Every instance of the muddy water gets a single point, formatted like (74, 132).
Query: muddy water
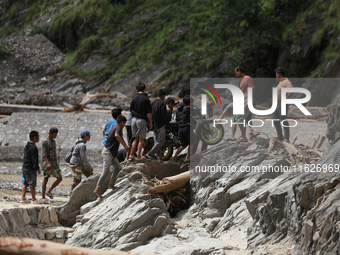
(10, 180)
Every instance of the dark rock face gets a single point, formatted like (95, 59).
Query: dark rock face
(333, 122)
(299, 60)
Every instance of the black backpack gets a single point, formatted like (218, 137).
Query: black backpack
(179, 112)
(69, 156)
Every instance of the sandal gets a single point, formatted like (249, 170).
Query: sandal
(149, 157)
(140, 159)
(231, 139)
(186, 160)
(49, 195)
(43, 201)
(25, 201)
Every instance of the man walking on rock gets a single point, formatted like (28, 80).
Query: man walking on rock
(283, 83)
(160, 124)
(49, 163)
(79, 163)
(111, 123)
(141, 112)
(110, 155)
(30, 168)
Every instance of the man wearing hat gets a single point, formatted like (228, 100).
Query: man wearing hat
(78, 163)
(49, 163)
(283, 83)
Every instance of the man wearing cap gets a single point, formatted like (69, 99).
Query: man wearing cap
(111, 123)
(141, 112)
(49, 163)
(79, 163)
(283, 83)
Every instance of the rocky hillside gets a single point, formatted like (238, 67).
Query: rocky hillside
(106, 46)
(227, 212)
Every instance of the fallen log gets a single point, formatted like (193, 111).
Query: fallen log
(37, 95)
(26, 246)
(76, 107)
(171, 183)
(87, 99)
(321, 142)
(290, 148)
(271, 145)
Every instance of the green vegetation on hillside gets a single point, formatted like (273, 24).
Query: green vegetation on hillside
(191, 37)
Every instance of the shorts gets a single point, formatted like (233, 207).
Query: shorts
(242, 119)
(53, 172)
(30, 178)
(184, 136)
(139, 128)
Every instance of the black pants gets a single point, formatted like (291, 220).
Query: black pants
(129, 135)
(277, 124)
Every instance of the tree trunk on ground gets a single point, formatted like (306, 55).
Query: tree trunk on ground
(26, 246)
(171, 183)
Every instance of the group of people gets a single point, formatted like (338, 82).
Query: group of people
(143, 116)
(49, 166)
(247, 82)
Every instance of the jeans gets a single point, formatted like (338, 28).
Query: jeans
(277, 124)
(108, 160)
(159, 139)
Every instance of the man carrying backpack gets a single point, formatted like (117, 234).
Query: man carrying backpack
(183, 119)
(78, 163)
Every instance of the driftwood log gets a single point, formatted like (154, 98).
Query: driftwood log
(171, 183)
(37, 96)
(26, 246)
(86, 100)
(77, 107)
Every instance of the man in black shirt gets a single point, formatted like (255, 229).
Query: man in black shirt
(184, 131)
(110, 155)
(141, 112)
(160, 123)
(30, 167)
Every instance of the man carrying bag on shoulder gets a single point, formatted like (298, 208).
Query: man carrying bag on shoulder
(78, 163)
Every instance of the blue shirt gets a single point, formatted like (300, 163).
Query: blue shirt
(110, 124)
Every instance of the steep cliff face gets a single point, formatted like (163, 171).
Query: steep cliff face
(111, 45)
(333, 122)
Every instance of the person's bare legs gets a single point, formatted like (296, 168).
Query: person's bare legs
(32, 189)
(24, 190)
(224, 113)
(55, 184)
(140, 147)
(243, 132)
(233, 131)
(134, 146)
(189, 152)
(98, 193)
(43, 187)
(174, 158)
